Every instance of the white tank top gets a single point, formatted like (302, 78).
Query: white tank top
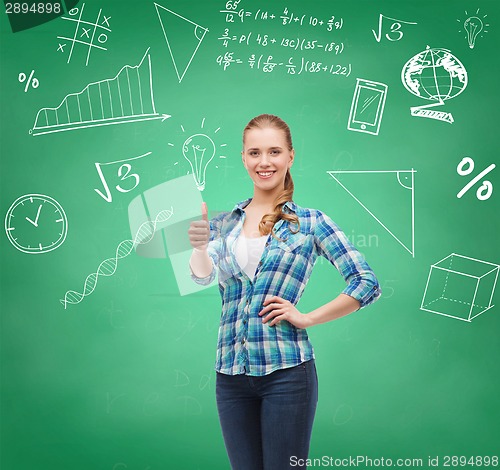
(248, 252)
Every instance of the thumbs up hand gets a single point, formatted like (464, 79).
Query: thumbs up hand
(204, 211)
(199, 230)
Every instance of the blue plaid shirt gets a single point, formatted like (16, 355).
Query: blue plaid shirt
(246, 345)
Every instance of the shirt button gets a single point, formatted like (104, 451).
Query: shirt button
(244, 322)
(243, 341)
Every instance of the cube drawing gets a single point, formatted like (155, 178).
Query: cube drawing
(460, 287)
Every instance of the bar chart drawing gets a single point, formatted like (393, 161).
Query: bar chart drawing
(127, 97)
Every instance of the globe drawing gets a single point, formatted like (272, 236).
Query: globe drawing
(434, 74)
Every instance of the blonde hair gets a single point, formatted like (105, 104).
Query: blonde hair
(266, 225)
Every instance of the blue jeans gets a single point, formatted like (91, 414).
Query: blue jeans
(266, 420)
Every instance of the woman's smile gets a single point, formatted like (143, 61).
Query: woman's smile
(267, 156)
(266, 174)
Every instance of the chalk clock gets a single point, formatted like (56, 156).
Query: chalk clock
(36, 223)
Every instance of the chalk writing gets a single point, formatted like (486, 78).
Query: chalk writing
(122, 174)
(294, 43)
(267, 64)
(298, 37)
(395, 33)
(287, 17)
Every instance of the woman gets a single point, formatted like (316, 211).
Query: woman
(265, 249)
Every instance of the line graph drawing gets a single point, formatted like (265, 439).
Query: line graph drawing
(127, 97)
(408, 184)
(87, 34)
(144, 235)
(180, 47)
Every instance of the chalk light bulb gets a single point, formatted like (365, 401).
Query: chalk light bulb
(473, 26)
(199, 150)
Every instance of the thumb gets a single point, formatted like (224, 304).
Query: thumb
(204, 211)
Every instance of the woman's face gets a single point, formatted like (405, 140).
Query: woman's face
(266, 157)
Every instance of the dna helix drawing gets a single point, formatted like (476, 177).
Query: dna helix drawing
(144, 235)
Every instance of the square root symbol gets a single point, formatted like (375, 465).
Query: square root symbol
(460, 287)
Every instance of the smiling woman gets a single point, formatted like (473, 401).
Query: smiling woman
(264, 251)
(268, 156)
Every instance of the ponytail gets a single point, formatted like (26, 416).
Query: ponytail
(267, 222)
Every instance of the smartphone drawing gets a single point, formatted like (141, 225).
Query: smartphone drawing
(367, 106)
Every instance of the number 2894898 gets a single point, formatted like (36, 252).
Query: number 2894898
(39, 8)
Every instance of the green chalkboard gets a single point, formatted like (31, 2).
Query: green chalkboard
(393, 108)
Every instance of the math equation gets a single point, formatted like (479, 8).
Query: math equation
(265, 40)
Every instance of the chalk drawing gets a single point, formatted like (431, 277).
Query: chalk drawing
(474, 27)
(36, 223)
(144, 235)
(435, 75)
(367, 106)
(466, 167)
(199, 150)
(33, 81)
(460, 287)
(343, 414)
(395, 33)
(86, 32)
(122, 99)
(108, 197)
(403, 179)
(183, 38)
(181, 378)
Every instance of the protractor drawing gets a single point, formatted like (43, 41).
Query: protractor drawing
(388, 196)
(127, 97)
(183, 38)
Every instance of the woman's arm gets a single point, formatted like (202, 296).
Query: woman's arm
(280, 309)
(205, 240)
(361, 290)
(338, 307)
(200, 263)
(332, 243)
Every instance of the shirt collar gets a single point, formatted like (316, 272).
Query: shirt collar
(290, 205)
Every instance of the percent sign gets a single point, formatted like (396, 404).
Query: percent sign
(484, 191)
(34, 82)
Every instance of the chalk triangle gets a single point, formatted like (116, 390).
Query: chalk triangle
(183, 38)
(388, 196)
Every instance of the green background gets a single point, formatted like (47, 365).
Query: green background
(125, 379)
